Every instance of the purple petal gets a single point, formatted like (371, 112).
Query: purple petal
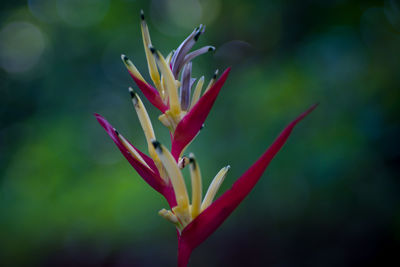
(186, 86)
(196, 53)
(184, 48)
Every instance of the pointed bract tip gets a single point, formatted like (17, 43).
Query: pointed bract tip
(141, 14)
(211, 48)
(309, 110)
(215, 74)
(315, 105)
(228, 167)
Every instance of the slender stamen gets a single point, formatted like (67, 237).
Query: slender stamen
(174, 174)
(197, 91)
(131, 68)
(196, 186)
(212, 81)
(151, 63)
(214, 186)
(131, 149)
(169, 81)
(185, 86)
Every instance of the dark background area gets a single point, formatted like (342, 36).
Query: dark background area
(329, 198)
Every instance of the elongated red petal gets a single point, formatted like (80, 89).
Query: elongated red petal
(152, 176)
(191, 124)
(150, 93)
(211, 218)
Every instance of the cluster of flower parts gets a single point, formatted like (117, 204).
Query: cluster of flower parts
(183, 114)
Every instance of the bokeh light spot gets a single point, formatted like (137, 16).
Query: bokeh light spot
(211, 10)
(82, 13)
(184, 13)
(43, 10)
(21, 46)
(170, 14)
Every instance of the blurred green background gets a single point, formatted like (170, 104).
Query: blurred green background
(329, 198)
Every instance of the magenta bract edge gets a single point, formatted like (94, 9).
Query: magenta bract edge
(151, 94)
(151, 177)
(192, 122)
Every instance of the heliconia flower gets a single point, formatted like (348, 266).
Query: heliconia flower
(184, 113)
(195, 217)
(198, 218)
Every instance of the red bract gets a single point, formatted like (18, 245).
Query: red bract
(211, 218)
(151, 176)
(192, 122)
(150, 93)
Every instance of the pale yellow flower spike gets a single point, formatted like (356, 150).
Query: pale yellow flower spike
(212, 81)
(170, 83)
(197, 92)
(214, 186)
(131, 150)
(147, 127)
(131, 68)
(196, 186)
(151, 63)
(178, 183)
(143, 118)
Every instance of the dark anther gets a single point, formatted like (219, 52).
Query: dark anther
(142, 14)
(157, 145)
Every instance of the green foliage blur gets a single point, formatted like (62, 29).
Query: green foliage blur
(329, 198)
